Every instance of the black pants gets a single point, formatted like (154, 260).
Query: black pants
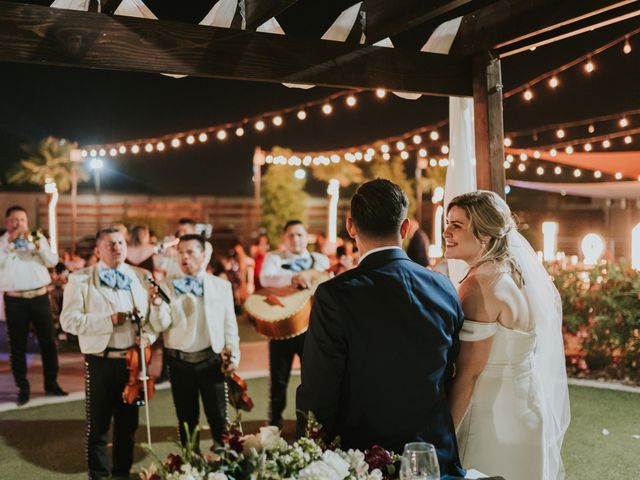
(20, 313)
(189, 382)
(281, 354)
(105, 380)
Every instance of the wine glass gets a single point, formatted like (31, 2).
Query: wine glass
(419, 462)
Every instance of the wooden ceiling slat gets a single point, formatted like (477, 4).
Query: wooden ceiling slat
(259, 11)
(386, 18)
(47, 36)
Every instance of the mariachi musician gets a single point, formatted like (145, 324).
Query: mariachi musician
(292, 266)
(200, 337)
(101, 305)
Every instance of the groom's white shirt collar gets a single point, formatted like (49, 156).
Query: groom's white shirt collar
(379, 249)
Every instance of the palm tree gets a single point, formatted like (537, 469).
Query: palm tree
(47, 160)
(50, 160)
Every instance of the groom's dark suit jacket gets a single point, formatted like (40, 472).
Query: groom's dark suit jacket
(379, 354)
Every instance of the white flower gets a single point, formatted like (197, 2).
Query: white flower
(270, 437)
(375, 475)
(355, 459)
(216, 476)
(336, 462)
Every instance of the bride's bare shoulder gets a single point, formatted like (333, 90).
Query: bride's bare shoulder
(484, 291)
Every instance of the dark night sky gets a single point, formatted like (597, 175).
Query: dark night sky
(91, 106)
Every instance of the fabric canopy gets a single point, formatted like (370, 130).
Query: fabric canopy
(593, 190)
(627, 163)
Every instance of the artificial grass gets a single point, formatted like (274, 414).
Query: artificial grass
(48, 442)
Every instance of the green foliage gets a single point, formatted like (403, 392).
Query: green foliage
(433, 178)
(48, 159)
(283, 197)
(602, 306)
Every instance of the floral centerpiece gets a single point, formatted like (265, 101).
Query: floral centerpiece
(267, 456)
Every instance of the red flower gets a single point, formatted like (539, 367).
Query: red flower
(377, 457)
(233, 439)
(173, 463)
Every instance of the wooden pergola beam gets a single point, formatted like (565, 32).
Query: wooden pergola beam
(507, 22)
(259, 11)
(48, 36)
(385, 18)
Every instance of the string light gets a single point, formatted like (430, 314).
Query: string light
(589, 66)
(522, 167)
(444, 149)
(351, 101)
(606, 144)
(381, 93)
(203, 137)
(259, 125)
(510, 158)
(433, 162)
(568, 150)
(624, 122)
(577, 173)
(627, 47)
(400, 145)
(434, 135)
(557, 170)
(536, 154)
(507, 165)
(102, 152)
(148, 148)
(384, 148)
(327, 109)
(175, 143)
(591, 129)
(160, 146)
(135, 149)
(618, 176)
(122, 149)
(386, 156)
(191, 139)
(523, 157)
(404, 154)
(528, 94)
(560, 133)
(84, 153)
(417, 139)
(113, 152)
(597, 174)
(422, 152)
(553, 152)
(554, 82)
(507, 142)
(628, 139)
(277, 120)
(239, 132)
(222, 134)
(588, 147)
(540, 171)
(301, 115)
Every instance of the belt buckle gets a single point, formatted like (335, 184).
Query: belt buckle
(32, 293)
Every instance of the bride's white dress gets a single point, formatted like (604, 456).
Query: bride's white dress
(501, 432)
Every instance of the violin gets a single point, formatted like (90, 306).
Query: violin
(133, 393)
(238, 395)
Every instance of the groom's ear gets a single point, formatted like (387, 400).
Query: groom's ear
(351, 229)
(404, 228)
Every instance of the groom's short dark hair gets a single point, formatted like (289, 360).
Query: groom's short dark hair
(378, 208)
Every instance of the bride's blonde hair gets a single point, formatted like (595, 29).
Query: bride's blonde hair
(490, 216)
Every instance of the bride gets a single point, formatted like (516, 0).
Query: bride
(509, 398)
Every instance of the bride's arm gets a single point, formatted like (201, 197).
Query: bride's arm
(471, 361)
(478, 305)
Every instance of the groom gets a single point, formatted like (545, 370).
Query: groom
(382, 340)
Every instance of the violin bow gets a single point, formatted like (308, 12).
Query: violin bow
(143, 376)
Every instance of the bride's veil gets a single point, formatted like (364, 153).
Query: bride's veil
(545, 308)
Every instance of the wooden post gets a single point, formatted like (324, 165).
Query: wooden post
(489, 134)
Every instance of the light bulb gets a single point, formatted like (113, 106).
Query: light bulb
(203, 137)
(560, 133)
(302, 115)
(568, 150)
(623, 122)
(606, 144)
(627, 47)
(597, 174)
(327, 109)
(557, 170)
(417, 139)
(259, 125)
(553, 152)
(618, 176)
(553, 82)
(222, 134)
(589, 66)
(381, 93)
(434, 135)
(588, 147)
(160, 146)
(577, 172)
(507, 142)
(277, 120)
(175, 143)
(522, 167)
(351, 101)
(540, 171)
(148, 148)
(528, 94)
(628, 139)
(135, 149)
(239, 131)
(400, 145)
